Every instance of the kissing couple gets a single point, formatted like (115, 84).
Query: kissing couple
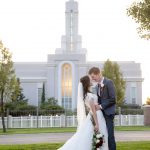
(97, 94)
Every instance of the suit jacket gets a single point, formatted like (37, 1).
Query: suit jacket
(107, 98)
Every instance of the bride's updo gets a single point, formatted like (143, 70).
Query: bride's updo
(85, 80)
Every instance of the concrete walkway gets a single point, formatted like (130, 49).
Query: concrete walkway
(62, 137)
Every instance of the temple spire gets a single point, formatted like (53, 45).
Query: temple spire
(71, 41)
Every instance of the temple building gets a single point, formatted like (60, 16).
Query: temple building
(62, 71)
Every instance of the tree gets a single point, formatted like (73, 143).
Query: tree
(17, 94)
(53, 101)
(43, 94)
(112, 71)
(140, 12)
(17, 101)
(148, 101)
(52, 105)
(7, 78)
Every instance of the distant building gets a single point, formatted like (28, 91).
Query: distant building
(63, 69)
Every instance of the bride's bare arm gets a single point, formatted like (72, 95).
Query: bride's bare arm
(92, 105)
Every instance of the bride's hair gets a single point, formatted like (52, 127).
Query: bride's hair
(85, 80)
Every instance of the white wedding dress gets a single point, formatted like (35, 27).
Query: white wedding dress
(82, 139)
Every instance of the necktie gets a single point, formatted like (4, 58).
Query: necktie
(99, 89)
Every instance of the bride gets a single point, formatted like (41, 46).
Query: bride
(82, 139)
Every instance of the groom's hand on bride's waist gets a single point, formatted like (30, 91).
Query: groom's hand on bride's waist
(98, 107)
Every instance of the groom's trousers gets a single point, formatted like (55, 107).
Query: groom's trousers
(110, 127)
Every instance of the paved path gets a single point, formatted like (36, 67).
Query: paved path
(62, 137)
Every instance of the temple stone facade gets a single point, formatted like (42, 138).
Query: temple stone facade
(62, 71)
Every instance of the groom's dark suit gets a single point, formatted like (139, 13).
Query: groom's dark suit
(107, 100)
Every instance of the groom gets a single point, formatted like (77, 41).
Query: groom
(106, 99)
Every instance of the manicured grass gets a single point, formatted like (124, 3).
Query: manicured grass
(53, 146)
(120, 146)
(63, 130)
(38, 130)
(133, 128)
(133, 145)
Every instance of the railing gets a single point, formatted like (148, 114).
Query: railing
(64, 121)
(129, 120)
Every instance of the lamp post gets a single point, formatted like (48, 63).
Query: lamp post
(37, 114)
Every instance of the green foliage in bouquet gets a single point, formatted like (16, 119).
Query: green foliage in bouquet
(98, 140)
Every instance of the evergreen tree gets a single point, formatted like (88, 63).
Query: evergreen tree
(112, 71)
(43, 94)
(17, 94)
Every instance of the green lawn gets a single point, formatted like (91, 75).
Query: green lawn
(54, 146)
(133, 128)
(60, 130)
(133, 145)
(120, 146)
(38, 130)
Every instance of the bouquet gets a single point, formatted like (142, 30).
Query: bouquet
(98, 138)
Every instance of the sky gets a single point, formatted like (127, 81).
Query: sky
(31, 29)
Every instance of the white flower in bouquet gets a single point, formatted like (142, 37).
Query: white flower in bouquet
(97, 141)
(99, 135)
(98, 149)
